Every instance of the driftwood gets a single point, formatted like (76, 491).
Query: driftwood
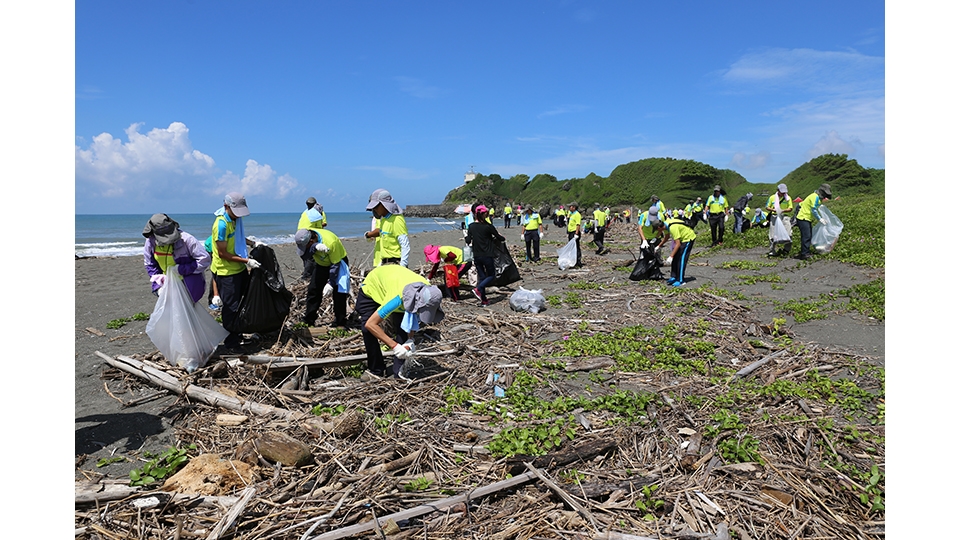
(753, 367)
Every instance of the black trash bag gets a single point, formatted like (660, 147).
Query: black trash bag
(266, 303)
(648, 265)
(506, 269)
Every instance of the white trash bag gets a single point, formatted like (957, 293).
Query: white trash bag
(826, 231)
(567, 255)
(531, 301)
(780, 232)
(182, 330)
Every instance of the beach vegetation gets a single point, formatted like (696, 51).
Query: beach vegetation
(141, 316)
(649, 506)
(331, 410)
(117, 323)
(161, 465)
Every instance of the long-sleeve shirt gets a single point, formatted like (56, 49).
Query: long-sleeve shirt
(188, 257)
(481, 237)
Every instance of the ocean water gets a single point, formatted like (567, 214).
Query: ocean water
(121, 234)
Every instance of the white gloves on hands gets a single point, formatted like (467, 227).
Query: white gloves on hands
(541, 236)
(644, 244)
(402, 352)
(252, 263)
(159, 279)
(668, 261)
(217, 301)
(321, 247)
(327, 290)
(410, 345)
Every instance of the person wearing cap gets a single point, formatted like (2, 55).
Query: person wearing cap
(574, 229)
(331, 273)
(646, 227)
(655, 201)
(739, 208)
(311, 218)
(809, 211)
(759, 218)
(682, 247)
(390, 231)
(168, 251)
(394, 292)
(532, 233)
(600, 227)
(231, 261)
(626, 214)
(696, 209)
(482, 238)
(507, 216)
(718, 210)
(454, 268)
(779, 206)
(560, 217)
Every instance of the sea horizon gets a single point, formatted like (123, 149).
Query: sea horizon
(104, 235)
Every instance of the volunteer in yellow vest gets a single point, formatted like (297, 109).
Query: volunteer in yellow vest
(169, 251)
(311, 218)
(231, 261)
(809, 211)
(779, 207)
(392, 291)
(626, 214)
(331, 273)
(649, 235)
(718, 209)
(393, 246)
(573, 230)
(507, 216)
(682, 247)
(697, 208)
(532, 233)
(600, 227)
(560, 217)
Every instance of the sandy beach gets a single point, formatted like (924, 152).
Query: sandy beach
(118, 287)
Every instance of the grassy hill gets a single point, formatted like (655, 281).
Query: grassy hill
(675, 181)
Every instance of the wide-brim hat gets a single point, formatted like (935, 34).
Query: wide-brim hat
(423, 300)
(432, 253)
(382, 196)
(824, 190)
(164, 229)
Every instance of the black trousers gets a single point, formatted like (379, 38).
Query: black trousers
(570, 236)
(365, 308)
(716, 227)
(532, 240)
(806, 236)
(319, 278)
(598, 239)
(231, 289)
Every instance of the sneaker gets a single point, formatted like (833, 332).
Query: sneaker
(671, 280)
(484, 303)
(213, 307)
(677, 283)
(772, 254)
(476, 292)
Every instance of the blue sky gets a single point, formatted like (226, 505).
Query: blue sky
(179, 102)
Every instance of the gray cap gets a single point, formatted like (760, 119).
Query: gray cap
(237, 203)
(782, 188)
(824, 190)
(716, 187)
(164, 229)
(302, 239)
(383, 196)
(424, 300)
(654, 210)
(311, 200)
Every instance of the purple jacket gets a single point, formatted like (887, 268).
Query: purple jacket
(192, 260)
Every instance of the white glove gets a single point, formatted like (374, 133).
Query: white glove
(321, 247)
(327, 290)
(159, 279)
(541, 235)
(668, 261)
(252, 263)
(644, 244)
(410, 345)
(402, 352)
(217, 301)
(726, 217)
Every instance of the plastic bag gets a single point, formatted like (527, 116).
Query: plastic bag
(182, 330)
(530, 301)
(826, 231)
(507, 271)
(467, 254)
(266, 303)
(648, 265)
(567, 255)
(779, 232)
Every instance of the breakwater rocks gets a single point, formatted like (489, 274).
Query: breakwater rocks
(430, 210)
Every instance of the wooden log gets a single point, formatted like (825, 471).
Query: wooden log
(165, 380)
(692, 452)
(422, 509)
(581, 452)
(567, 498)
(278, 447)
(754, 366)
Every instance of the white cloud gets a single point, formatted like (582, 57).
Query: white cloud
(805, 70)
(162, 163)
(417, 88)
(831, 143)
(745, 161)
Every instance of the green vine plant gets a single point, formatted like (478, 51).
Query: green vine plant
(161, 465)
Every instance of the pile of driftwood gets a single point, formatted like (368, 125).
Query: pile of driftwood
(291, 445)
